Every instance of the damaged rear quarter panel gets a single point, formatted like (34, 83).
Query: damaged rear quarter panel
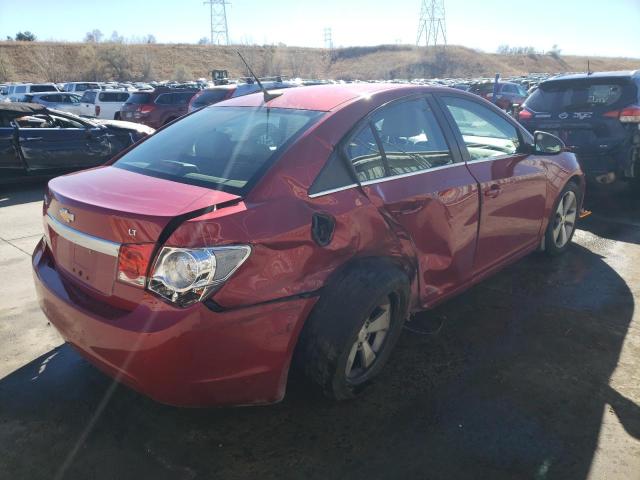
(285, 260)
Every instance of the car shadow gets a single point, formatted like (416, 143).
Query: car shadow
(509, 380)
(615, 208)
(19, 193)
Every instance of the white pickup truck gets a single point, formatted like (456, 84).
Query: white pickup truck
(103, 103)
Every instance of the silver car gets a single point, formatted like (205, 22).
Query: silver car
(67, 102)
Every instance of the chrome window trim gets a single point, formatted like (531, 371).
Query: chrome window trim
(83, 239)
(385, 179)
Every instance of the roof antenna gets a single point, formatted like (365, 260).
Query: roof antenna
(267, 96)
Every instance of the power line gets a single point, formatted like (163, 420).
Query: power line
(432, 28)
(219, 27)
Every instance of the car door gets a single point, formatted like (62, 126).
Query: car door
(10, 163)
(87, 104)
(405, 163)
(63, 144)
(70, 103)
(512, 183)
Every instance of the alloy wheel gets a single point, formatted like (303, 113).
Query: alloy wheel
(565, 219)
(369, 342)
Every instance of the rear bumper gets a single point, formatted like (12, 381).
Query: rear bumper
(182, 357)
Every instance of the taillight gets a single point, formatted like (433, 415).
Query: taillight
(188, 275)
(146, 108)
(525, 114)
(97, 109)
(133, 263)
(630, 114)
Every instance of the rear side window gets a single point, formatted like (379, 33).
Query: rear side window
(166, 99)
(88, 97)
(42, 88)
(20, 89)
(208, 97)
(587, 94)
(363, 152)
(52, 98)
(224, 148)
(139, 98)
(182, 98)
(110, 97)
(485, 133)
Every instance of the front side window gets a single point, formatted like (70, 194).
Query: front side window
(224, 148)
(485, 133)
(88, 97)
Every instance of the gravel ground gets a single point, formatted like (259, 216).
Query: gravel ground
(533, 374)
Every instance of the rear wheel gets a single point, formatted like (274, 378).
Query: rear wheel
(116, 116)
(353, 328)
(562, 224)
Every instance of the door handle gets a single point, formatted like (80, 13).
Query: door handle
(493, 191)
(33, 138)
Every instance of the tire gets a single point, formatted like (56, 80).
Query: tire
(362, 298)
(116, 116)
(562, 226)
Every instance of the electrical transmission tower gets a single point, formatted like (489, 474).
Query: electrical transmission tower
(432, 29)
(219, 30)
(328, 41)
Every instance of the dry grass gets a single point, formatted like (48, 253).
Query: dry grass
(41, 61)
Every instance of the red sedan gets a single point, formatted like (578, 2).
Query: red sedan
(201, 263)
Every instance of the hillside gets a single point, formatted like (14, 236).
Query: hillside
(42, 61)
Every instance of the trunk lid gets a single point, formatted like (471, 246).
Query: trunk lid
(88, 215)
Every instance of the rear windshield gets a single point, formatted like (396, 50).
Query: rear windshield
(224, 148)
(208, 97)
(575, 95)
(43, 88)
(138, 98)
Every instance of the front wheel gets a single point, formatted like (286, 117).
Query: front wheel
(562, 224)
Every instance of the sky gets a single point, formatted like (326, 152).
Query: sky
(580, 27)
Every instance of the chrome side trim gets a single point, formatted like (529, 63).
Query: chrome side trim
(333, 190)
(84, 240)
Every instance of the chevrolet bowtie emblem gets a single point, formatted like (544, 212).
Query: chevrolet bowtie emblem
(66, 215)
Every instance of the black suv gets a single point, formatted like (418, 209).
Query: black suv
(597, 116)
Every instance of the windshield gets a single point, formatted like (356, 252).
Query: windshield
(224, 148)
(581, 94)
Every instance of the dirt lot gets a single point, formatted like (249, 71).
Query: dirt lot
(534, 374)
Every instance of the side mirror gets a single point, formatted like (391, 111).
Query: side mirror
(547, 144)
